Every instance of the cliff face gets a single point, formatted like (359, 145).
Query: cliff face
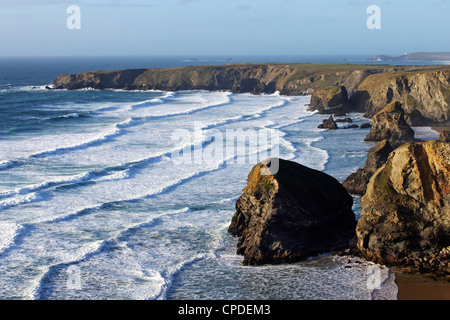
(289, 79)
(425, 95)
(328, 100)
(423, 91)
(405, 219)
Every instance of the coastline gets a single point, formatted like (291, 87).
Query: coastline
(420, 287)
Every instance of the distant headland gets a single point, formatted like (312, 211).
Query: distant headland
(416, 56)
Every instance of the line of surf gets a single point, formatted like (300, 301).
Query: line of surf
(88, 176)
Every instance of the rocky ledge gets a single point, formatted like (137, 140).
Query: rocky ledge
(405, 218)
(291, 215)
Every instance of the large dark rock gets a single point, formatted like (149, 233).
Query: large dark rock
(357, 182)
(390, 124)
(405, 219)
(328, 124)
(291, 215)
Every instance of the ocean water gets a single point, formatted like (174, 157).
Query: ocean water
(93, 204)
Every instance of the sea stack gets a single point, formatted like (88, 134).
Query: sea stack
(291, 215)
(405, 219)
(390, 124)
(328, 124)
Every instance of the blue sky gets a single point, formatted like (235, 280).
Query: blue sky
(222, 27)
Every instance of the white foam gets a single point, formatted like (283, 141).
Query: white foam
(125, 229)
(31, 88)
(48, 183)
(33, 292)
(8, 232)
(13, 202)
(6, 164)
(425, 133)
(71, 115)
(312, 156)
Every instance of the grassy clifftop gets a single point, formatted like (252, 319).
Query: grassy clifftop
(424, 91)
(258, 78)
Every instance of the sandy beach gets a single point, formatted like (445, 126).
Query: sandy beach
(439, 129)
(417, 287)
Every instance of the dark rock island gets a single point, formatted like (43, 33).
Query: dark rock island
(291, 215)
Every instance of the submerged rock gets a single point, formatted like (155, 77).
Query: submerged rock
(291, 215)
(357, 182)
(405, 219)
(328, 124)
(390, 124)
(349, 120)
(352, 126)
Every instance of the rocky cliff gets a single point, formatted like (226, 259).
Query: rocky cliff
(405, 219)
(289, 79)
(330, 100)
(424, 94)
(424, 91)
(291, 215)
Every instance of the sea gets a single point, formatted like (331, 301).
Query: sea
(95, 205)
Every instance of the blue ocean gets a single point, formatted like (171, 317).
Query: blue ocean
(93, 206)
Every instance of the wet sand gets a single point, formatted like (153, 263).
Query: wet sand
(416, 287)
(439, 129)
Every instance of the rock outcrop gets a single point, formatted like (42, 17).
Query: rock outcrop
(389, 124)
(291, 215)
(330, 100)
(405, 219)
(444, 136)
(424, 94)
(357, 182)
(348, 120)
(328, 124)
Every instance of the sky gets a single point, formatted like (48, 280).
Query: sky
(222, 27)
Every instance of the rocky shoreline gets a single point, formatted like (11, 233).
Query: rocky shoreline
(423, 91)
(299, 212)
(405, 219)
